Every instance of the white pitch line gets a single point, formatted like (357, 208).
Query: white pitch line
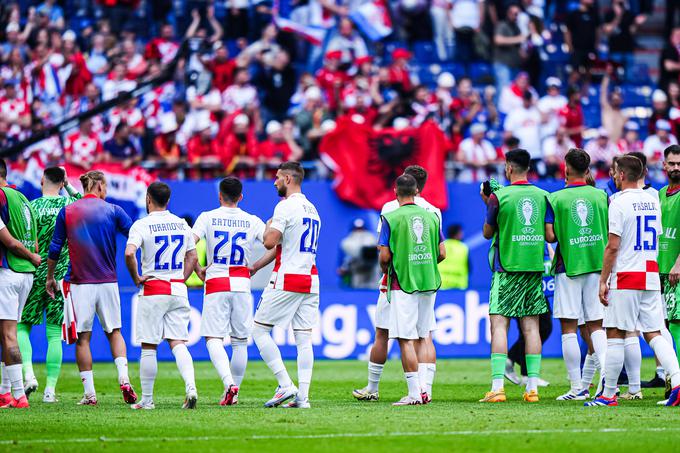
(105, 439)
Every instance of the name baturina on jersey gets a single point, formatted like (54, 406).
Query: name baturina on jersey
(231, 223)
(644, 206)
(172, 226)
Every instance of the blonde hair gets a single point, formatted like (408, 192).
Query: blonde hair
(90, 179)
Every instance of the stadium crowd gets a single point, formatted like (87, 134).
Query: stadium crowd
(252, 91)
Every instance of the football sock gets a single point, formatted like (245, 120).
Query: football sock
(374, 372)
(220, 360)
(148, 368)
(122, 367)
(88, 382)
(24, 341)
(305, 362)
(271, 355)
(633, 361)
(533, 371)
(497, 370)
(588, 371)
(422, 375)
(674, 328)
(615, 358)
(413, 384)
(16, 379)
(185, 365)
(54, 355)
(599, 341)
(239, 359)
(664, 352)
(5, 384)
(431, 371)
(572, 360)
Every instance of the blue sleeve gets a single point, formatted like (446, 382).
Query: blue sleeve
(492, 211)
(59, 236)
(123, 221)
(384, 239)
(549, 213)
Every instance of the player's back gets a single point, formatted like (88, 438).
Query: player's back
(47, 209)
(393, 205)
(635, 217)
(295, 269)
(230, 235)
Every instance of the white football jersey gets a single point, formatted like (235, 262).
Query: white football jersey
(230, 234)
(164, 240)
(295, 269)
(635, 216)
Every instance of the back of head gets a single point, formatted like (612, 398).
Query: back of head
(407, 186)
(453, 231)
(55, 175)
(640, 156)
(518, 158)
(578, 161)
(631, 167)
(3, 169)
(90, 179)
(673, 149)
(231, 189)
(294, 169)
(159, 192)
(419, 174)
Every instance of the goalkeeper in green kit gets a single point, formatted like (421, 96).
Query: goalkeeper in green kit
(46, 207)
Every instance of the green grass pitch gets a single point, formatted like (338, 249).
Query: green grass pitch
(336, 422)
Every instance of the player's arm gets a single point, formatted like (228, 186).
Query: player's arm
(550, 224)
(490, 224)
(132, 265)
(442, 247)
(17, 248)
(123, 221)
(54, 252)
(610, 253)
(190, 264)
(264, 261)
(385, 259)
(272, 236)
(385, 255)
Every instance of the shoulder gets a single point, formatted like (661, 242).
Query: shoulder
(389, 207)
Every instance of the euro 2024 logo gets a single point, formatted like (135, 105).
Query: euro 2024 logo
(582, 215)
(419, 234)
(527, 214)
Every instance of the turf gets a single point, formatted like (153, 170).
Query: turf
(455, 421)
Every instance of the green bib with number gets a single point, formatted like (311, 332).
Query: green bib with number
(669, 245)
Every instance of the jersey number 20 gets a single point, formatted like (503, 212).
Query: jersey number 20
(165, 242)
(310, 237)
(644, 226)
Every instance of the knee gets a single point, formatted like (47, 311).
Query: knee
(239, 342)
(260, 331)
(303, 339)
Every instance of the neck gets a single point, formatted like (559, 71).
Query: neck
(228, 205)
(629, 185)
(406, 200)
(292, 190)
(3, 182)
(672, 185)
(519, 177)
(576, 180)
(50, 191)
(93, 194)
(154, 208)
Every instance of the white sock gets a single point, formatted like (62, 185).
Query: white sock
(429, 380)
(5, 384)
(599, 340)
(16, 379)
(532, 384)
(496, 385)
(374, 373)
(572, 359)
(88, 382)
(669, 339)
(615, 357)
(413, 383)
(148, 369)
(422, 375)
(49, 390)
(239, 359)
(122, 367)
(660, 372)
(588, 372)
(633, 361)
(305, 362)
(185, 365)
(666, 355)
(220, 360)
(271, 355)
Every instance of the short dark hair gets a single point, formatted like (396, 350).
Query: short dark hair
(640, 156)
(511, 142)
(631, 166)
(453, 230)
(159, 193)
(55, 175)
(419, 174)
(231, 188)
(3, 169)
(407, 186)
(294, 169)
(673, 149)
(519, 158)
(578, 160)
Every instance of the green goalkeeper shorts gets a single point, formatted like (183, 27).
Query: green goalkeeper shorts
(40, 302)
(517, 294)
(670, 296)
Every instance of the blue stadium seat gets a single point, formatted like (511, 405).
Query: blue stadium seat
(425, 52)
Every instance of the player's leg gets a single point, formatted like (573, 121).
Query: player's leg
(11, 356)
(214, 328)
(54, 316)
(241, 328)
(175, 324)
(572, 357)
(425, 350)
(516, 357)
(532, 338)
(148, 369)
(632, 361)
(499, 348)
(24, 341)
(84, 361)
(185, 365)
(303, 322)
(378, 353)
(32, 315)
(590, 363)
(404, 317)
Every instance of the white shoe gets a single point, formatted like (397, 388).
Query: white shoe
(30, 386)
(190, 400)
(632, 396)
(365, 395)
(571, 396)
(543, 383)
(88, 400)
(298, 404)
(49, 397)
(408, 401)
(282, 395)
(661, 403)
(510, 373)
(143, 405)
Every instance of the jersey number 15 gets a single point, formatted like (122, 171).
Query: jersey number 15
(645, 227)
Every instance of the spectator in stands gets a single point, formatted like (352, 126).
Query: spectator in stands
(239, 152)
(512, 95)
(202, 149)
(264, 48)
(5, 139)
(359, 266)
(117, 82)
(399, 74)
(15, 111)
(670, 60)
(279, 146)
(79, 76)
(631, 138)
(582, 37)
(467, 18)
(350, 43)
(120, 149)
(440, 12)
(83, 147)
(309, 120)
(167, 152)
(221, 67)
(477, 154)
(508, 39)
(620, 26)
(164, 48)
(524, 122)
(660, 110)
(571, 116)
(331, 78)
(135, 63)
(237, 19)
(98, 61)
(241, 94)
(657, 142)
(555, 148)
(414, 19)
(673, 91)
(612, 116)
(550, 106)
(53, 12)
(276, 85)
(601, 151)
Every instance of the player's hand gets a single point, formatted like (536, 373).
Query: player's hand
(674, 274)
(485, 199)
(201, 273)
(35, 259)
(141, 280)
(604, 293)
(52, 287)
(253, 271)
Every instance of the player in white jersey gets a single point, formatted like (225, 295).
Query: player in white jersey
(424, 347)
(230, 234)
(168, 258)
(292, 297)
(629, 283)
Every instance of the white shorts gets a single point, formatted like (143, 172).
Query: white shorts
(100, 298)
(284, 308)
(411, 315)
(382, 312)
(578, 297)
(162, 318)
(632, 310)
(227, 314)
(14, 289)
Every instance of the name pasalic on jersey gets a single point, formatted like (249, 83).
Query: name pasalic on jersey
(231, 223)
(171, 226)
(644, 206)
